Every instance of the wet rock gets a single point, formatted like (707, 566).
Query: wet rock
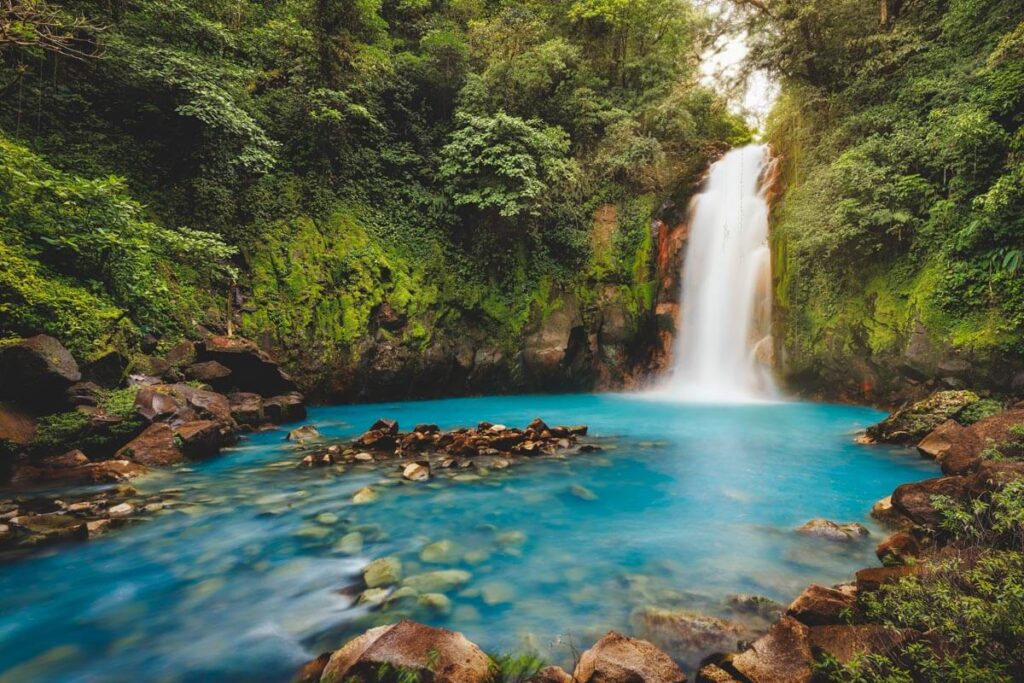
(781, 655)
(417, 471)
(252, 370)
(441, 581)
(303, 434)
(438, 603)
(432, 654)
(207, 405)
(898, 548)
(154, 447)
(87, 473)
(313, 670)
(819, 605)
(44, 529)
(290, 407)
(497, 593)
(884, 512)
(37, 373)
(121, 510)
(823, 528)
(247, 408)
(441, 552)
(915, 500)
(200, 439)
(389, 427)
(385, 571)
(685, 635)
(756, 604)
(375, 597)
(910, 425)
(617, 658)
(350, 544)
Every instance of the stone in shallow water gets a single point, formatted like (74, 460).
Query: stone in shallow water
(477, 557)
(436, 602)
(823, 528)
(511, 538)
(582, 492)
(327, 518)
(497, 593)
(373, 596)
(365, 495)
(441, 552)
(687, 636)
(439, 581)
(350, 544)
(417, 471)
(383, 572)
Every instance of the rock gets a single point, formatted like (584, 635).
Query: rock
(823, 528)
(847, 643)
(783, 655)
(497, 593)
(210, 372)
(687, 636)
(37, 373)
(389, 427)
(313, 670)
(102, 472)
(200, 439)
(582, 492)
(247, 408)
(208, 405)
(959, 449)
(84, 394)
(884, 512)
(365, 495)
(441, 552)
(417, 471)
(385, 571)
(898, 548)
(252, 370)
(551, 674)
(182, 355)
(286, 408)
(436, 602)
(107, 370)
(350, 544)
(537, 425)
(427, 429)
(437, 582)
(98, 527)
(44, 529)
(377, 440)
(873, 577)
(756, 604)
(121, 510)
(619, 659)
(819, 605)
(712, 673)
(16, 426)
(303, 434)
(915, 500)
(154, 447)
(375, 597)
(155, 403)
(432, 654)
(910, 425)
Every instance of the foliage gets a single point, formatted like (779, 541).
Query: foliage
(901, 143)
(61, 432)
(516, 668)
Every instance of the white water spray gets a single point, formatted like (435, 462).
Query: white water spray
(723, 344)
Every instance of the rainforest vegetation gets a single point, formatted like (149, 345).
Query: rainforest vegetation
(320, 158)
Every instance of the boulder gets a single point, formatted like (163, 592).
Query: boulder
(993, 475)
(207, 405)
(783, 655)
(687, 636)
(85, 474)
(389, 427)
(758, 605)
(898, 548)
(209, 372)
(823, 528)
(182, 355)
(551, 674)
(252, 370)
(713, 673)
(155, 403)
(914, 500)
(846, 642)
(884, 512)
(819, 605)
(437, 582)
(16, 426)
(154, 447)
(47, 528)
(431, 654)
(247, 408)
(108, 370)
(874, 577)
(620, 659)
(201, 438)
(37, 373)
(909, 425)
(290, 407)
(385, 571)
(84, 394)
(956, 448)
(304, 433)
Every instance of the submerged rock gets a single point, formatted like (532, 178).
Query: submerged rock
(385, 571)
(365, 495)
(441, 581)
(304, 433)
(417, 471)
(688, 636)
(823, 528)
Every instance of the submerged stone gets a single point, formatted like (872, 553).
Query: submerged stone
(383, 572)
(441, 552)
(438, 581)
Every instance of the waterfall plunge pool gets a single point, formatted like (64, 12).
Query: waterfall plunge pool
(244, 580)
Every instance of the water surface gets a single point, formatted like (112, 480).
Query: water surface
(243, 580)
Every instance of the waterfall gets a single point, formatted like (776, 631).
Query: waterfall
(723, 346)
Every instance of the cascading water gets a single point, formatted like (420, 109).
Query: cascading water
(723, 345)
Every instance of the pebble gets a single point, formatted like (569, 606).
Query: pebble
(364, 457)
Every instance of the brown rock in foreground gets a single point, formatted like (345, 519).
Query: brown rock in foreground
(819, 605)
(437, 655)
(155, 447)
(783, 655)
(619, 659)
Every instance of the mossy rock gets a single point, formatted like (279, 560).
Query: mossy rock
(909, 425)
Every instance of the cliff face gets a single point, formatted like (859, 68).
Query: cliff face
(354, 321)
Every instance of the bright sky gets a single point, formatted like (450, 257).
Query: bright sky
(724, 66)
